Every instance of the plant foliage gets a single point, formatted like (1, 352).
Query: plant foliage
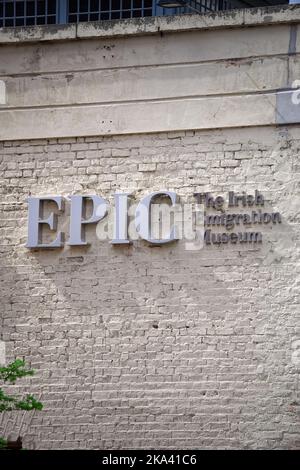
(10, 374)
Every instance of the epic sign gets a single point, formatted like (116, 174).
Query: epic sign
(99, 211)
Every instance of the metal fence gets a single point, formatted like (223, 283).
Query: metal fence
(95, 10)
(26, 13)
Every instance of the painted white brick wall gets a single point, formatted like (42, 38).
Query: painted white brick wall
(139, 347)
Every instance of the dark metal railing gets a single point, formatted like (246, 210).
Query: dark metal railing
(26, 13)
(108, 10)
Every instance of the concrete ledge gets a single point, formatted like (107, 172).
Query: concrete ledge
(153, 25)
(37, 34)
(135, 118)
(132, 84)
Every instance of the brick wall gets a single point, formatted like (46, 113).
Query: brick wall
(144, 347)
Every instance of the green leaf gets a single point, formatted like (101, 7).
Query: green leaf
(3, 443)
(10, 374)
(14, 371)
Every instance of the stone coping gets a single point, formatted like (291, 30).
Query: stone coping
(153, 25)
